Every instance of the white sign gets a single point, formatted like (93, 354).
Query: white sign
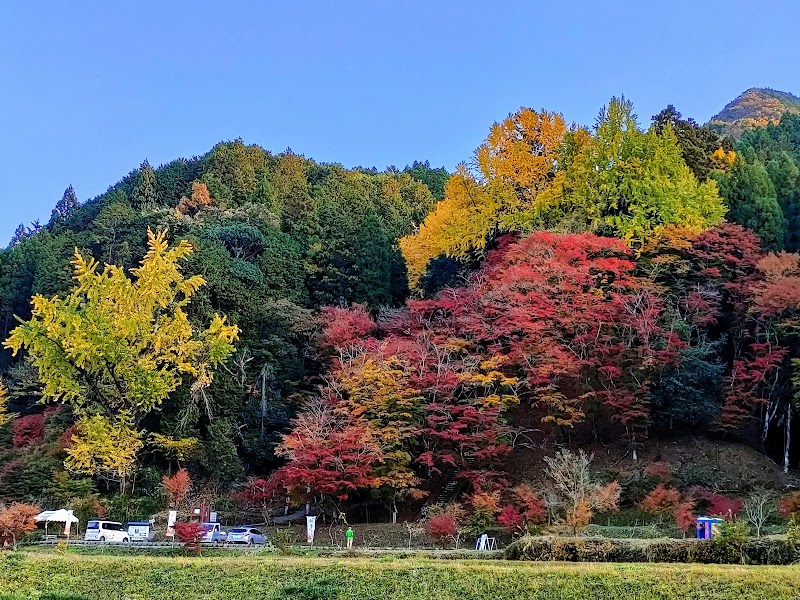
(173, 516)
(139, 533)
(213, 517)
(311, 525)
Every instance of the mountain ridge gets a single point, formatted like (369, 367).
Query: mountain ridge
(755, 107)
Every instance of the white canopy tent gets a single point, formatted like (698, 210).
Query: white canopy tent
(57, 516)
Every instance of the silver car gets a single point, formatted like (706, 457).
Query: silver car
(246, 535)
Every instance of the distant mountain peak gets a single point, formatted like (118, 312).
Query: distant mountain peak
(755, 107)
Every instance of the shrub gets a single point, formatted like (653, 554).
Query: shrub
(510, 518)
(729, 542)
(715, 504)
(659, 471)
(789, 506)
(725, 550)
(723, 506)
(441, 529)
(28, 430)
(793, 533)
(453, 510)
(190, 534)
(283, 540)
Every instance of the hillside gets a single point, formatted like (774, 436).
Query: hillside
(755, 107)
(409, 337)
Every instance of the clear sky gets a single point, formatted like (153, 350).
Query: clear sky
(89, 89)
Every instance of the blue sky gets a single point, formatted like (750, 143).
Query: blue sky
(90, 89)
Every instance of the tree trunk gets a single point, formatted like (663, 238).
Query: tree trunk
(263, 404)
(788, 440)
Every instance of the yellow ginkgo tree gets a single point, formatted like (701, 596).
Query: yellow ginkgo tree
(514, 165)
(116, 346)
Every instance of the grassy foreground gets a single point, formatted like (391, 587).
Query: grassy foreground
(78, 577)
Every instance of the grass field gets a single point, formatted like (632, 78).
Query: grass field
(78, 577)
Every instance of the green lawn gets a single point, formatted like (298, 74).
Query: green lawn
(78, 577)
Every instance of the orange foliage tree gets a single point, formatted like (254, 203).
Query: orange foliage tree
(684, 516)
(15, 521)
(199, 200)
(177, 487)
(661, 500)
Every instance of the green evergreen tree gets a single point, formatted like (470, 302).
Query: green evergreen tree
(264, 194)
(20, 235)
(144, 194)
(697, 144)
(752, 201)
(434, 179)
(65, 206)
(784, 173)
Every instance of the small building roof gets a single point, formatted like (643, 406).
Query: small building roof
(60, 516)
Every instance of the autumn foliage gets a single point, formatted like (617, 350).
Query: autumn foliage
(200, 199)
(28, 430)
(789, 506)
(16, 520)
(660, 471)
(190, 534)
(716, 504)
(177, 487)
(572, 284)
(661, 500)
(441, 528)
(510, 518)
(555, 322)
(329, 453)
(685, 517)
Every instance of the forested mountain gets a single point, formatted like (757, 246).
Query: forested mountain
(284, 328)
(755, 107)
(274, 237)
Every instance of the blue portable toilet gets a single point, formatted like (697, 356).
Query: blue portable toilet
(707, 527)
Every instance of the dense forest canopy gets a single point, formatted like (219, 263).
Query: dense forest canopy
(282, 328)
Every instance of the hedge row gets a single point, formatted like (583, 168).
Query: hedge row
(755, 551)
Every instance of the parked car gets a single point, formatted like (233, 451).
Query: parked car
(246, 535)
(106, 531)
(214, 534)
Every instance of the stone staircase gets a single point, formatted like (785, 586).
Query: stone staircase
(452, 484)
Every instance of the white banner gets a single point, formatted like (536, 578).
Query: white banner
(311, 525)
(68, 524)
(173, 516)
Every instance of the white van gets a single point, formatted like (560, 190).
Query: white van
(106, 531)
